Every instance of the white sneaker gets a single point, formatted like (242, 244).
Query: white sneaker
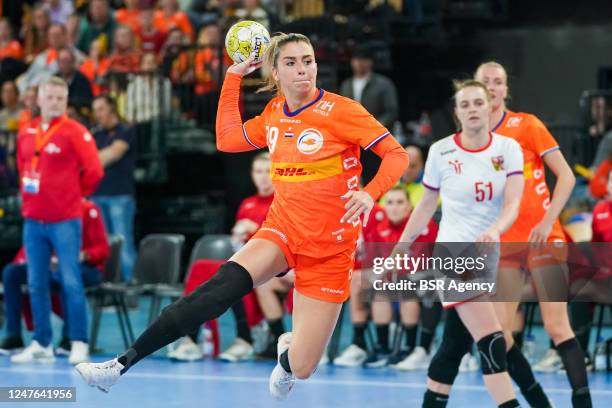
(469, 364)
(79, 352)
(240, 350)
(187, 350)
(352, 356)
(281, 382)
(550, 363)
(417, 360)
(34, 353)
(102, 375)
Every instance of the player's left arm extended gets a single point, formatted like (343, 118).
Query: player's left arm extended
(563, 187)
(394, 163)
(513, 192)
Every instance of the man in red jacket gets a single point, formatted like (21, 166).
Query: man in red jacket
(58, 164)
(94, 253)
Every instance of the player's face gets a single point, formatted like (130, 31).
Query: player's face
(496, 81)
(53, 100)
(610, 184)
(397, 206)
(261, 176)
(472, 108)
(296, 69)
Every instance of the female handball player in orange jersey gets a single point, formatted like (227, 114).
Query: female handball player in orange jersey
(537, 223)
(314, 138)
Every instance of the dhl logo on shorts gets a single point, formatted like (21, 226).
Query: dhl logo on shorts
(298, 172)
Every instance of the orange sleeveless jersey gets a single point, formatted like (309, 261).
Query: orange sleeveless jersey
(315, 160)
(536, 142)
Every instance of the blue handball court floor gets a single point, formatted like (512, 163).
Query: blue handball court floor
(159, 382)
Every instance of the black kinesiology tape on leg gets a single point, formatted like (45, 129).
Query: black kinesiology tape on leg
(207, 302)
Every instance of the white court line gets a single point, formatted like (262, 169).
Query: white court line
(348, 383)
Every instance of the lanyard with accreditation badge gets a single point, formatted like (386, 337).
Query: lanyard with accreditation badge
(31, 178)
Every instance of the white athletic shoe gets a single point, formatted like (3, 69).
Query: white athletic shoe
(240, 350)
(101, 375)
(79, 352)
(187, 350)
(417, 360)
(34, 353)
(352, 356)
(550, 363)
(281, 382)
(469, 364)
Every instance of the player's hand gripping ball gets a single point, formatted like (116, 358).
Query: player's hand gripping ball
(245, 38)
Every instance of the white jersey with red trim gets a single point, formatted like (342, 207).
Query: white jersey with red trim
(471, 183)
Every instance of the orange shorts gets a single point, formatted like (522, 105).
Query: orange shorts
(523, 255)
(326, 278)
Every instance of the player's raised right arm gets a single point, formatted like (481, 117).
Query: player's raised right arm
(231, 134)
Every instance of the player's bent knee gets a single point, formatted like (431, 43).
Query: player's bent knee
(492, 350)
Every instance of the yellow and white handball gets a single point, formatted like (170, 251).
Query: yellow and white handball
(245, 38)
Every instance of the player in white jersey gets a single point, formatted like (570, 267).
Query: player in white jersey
(479, 176)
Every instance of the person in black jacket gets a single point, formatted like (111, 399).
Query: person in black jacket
(80, 95)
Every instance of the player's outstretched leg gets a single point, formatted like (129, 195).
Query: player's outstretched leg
(254, 264)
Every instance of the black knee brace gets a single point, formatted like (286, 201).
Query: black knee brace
(456, 341)
(492, 350)
(211, 299)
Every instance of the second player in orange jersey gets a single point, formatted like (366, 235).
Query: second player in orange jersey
(537, 223)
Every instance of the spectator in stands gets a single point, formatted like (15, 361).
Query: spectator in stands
(599, 182)
(95, 66)
(79, 88)
(151, 40)
(73, 28)
(176, 63)
(116, 143)
(45, 64)
(148, 94)
(92, 259)
(9, 47)
(55, 175)
(59, 10)
(374, 91)
(99, 24)
(252, 10)
(147, 103)
(125, 57)
(34, 30)
(11, 107)
(209, 68)
(30, 106)
(129, 15)
(170, 17)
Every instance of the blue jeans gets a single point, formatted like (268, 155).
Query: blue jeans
(15, 275)
(118, 215)
(40, 240)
